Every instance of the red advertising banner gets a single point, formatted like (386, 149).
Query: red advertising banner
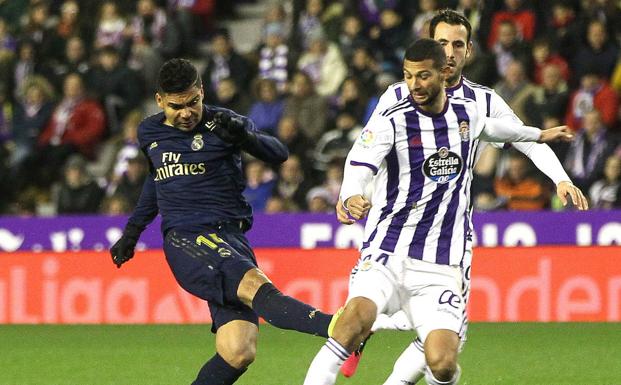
(509, 284)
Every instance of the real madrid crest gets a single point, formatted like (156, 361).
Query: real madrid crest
(464, 131)
(197, 142)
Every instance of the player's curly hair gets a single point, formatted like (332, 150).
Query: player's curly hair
(177, 75)
(423, 49)
(449, 17)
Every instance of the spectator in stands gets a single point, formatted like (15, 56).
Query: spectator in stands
(598, 55)
(323, 62)
(289, 133)
(336, 143)
(268, 109)
(318, 200)
(76, 125)
(389, 38)
(472, 10)
(293, 183)
(605, 193)
(427, 10)
(118, 88)
(550, 100)
(542, 57)
(113, 155)
(152, 38)
(509, 47)
(72, 23)
(38, 28)
(334, 178)
(351, 99)
(109, 26)
(351, 36)
(274, 56)
(517, 90)
(260, 182)
(517, 14)
(223, 62)
(563, 29)
(78, 193)
(365, 68)
(481, 66)
(130, 184)
(518, 188)
(306, 107)
(594, 93)
(31, 114)
(115, 205)
(25, 66)
(279, 205)
(74, 60)
(589, 150)
(228, 95)
(309, 21)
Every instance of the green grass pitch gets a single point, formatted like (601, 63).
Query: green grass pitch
(524, 353)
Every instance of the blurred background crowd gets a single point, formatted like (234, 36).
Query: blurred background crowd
(77, 77)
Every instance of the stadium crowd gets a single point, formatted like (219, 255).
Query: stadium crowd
(77, 76)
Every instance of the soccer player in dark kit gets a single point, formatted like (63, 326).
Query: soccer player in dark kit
(196, 184)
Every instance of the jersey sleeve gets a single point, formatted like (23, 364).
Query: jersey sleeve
(499, 109)
(544, 159)
(388, 99)
(366, 155)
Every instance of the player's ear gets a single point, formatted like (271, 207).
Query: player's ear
(469, 48)
(159, 100)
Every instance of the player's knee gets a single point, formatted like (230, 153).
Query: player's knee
(443, 364)
(356, 321)
(240, 356)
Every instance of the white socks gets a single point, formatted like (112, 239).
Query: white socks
(326, 364)
(409, 367)
(396, 321)
(431, 380)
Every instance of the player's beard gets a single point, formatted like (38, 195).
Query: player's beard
(432, 95)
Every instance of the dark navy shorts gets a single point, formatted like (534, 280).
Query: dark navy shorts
(209, 262)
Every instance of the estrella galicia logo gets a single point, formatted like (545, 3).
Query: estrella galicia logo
(449, 298)
(442, 166)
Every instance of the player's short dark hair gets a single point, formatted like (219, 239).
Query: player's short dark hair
(449, 17)
(423, 49)
(177, 75)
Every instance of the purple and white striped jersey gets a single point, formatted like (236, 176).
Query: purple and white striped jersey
(423, 170)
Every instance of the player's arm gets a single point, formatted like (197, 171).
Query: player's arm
(497, 130)
(363, 162)
(145, 211)
(241, 131)
(546, 161)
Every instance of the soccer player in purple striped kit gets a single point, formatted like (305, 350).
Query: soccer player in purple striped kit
(196, 184)
(453, 31)
(418, 154)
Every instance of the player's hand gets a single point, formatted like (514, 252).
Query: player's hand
(230, 128)
(123, 250)
(577, 197)
(342, 215)
(358, 206)
(555, 134)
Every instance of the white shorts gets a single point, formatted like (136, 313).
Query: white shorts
(430, 294)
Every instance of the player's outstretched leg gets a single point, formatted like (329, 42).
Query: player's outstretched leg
(441, 351)
(217, 371)
(280, 310)
(410, 366)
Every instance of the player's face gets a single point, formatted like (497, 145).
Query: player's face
(454, 39)
(183, 110)
(424, 80)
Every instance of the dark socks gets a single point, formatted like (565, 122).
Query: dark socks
(216, 371)
(286, 312)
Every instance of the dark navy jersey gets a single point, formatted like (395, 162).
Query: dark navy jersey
(196, 178)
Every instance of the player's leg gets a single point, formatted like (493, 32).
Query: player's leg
(410, 366)
(373, 290)
(350, 329)
(235, 350)
(437, 312)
